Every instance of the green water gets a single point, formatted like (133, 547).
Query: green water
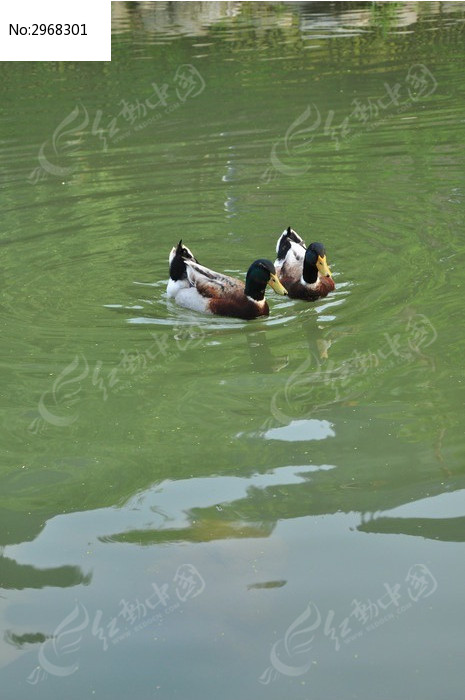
(290, 486)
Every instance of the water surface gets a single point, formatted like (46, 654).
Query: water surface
(201, 507)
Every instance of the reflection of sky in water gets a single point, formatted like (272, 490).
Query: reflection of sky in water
(302, 430)
(163, 505)
(445, 505)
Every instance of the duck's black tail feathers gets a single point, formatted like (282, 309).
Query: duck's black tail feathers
(284, 242)
(177, 263)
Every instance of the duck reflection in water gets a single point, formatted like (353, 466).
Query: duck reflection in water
(265, 361)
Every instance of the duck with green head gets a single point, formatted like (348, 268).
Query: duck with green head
(198, 288)
(303, 271)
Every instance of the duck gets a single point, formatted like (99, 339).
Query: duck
(303, 271)
(196, 287)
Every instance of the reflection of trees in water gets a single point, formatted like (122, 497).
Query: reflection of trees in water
(442, 529)
(172, 18)
(16, 528)
(365, 482)
(19, 576)
(20, 640)
(319, 19)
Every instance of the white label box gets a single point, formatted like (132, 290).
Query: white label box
(50, 30)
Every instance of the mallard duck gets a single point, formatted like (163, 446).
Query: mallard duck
(196, 287)
(303, 271)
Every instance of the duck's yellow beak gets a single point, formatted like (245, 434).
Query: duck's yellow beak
(323, 267)
(276, 285)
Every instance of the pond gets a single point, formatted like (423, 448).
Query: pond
(201, 507)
